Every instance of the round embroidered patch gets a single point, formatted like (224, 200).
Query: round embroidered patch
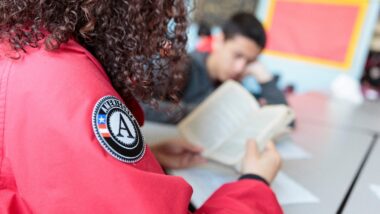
(117, 130)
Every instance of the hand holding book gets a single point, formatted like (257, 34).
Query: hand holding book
(265, 164)
(177, 153)
(230, 116)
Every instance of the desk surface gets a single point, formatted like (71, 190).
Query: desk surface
(319, 108)
(337, 155)
(363, 199)
(324, 174)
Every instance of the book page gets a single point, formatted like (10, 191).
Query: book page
(262, 125)
(268, 123)
(218, 117)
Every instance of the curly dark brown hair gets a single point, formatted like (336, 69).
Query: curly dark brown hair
(140, 43)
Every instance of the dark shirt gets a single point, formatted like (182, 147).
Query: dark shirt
(198, 86)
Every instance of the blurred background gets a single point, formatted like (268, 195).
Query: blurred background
(329, 46)
(325, 57)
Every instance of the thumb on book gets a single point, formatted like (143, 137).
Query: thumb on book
(270, 147)
(252, 149)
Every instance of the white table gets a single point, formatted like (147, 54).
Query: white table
(319, 108)
(337, 155)
(363, 199)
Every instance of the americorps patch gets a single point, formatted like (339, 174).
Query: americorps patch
(117, 130)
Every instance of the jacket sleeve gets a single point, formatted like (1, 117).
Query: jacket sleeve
(243, 196)
(11, 202)
(272, 94)
(56, 163)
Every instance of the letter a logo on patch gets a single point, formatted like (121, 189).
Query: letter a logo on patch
(117, 130)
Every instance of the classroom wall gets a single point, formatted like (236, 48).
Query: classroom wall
(307, 76)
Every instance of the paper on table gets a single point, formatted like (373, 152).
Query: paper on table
(289, 191)
(375, 189)
(207, 179)
(289, 150)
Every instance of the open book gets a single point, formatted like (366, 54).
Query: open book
(223, 122)
(208, 177)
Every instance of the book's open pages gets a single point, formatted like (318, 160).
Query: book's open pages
(261, 125)
(218, 117)
(227, 118)
(206, 178)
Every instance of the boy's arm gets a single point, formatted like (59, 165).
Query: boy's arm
(269, 90)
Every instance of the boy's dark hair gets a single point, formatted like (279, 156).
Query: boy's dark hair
(247, 25)
(204, 29)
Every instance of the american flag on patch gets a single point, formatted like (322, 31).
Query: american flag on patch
(102, 126)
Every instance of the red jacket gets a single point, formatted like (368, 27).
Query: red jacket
(205, 44)
(54, 157)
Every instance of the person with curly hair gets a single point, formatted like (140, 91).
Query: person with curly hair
(70, 139)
